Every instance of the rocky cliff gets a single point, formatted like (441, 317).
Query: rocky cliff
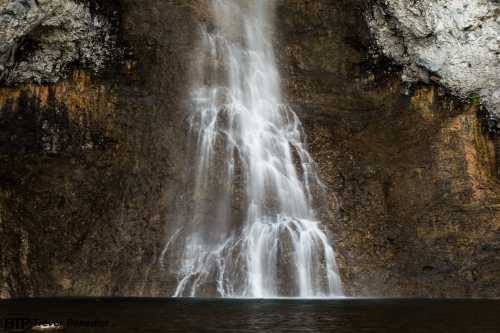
(41, 39)
(94, 149)
(453, 43)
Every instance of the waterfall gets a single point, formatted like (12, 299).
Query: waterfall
(252, 230)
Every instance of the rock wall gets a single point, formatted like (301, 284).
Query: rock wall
(93, 166)
(413, 178)
(454, 43)
(90, 164)
(42, 39)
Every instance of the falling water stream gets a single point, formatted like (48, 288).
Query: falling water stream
(252, 230)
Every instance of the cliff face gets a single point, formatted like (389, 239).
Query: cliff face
(454, 43)
(416, 177)
(90, 163)
(93, 165)
(42, 40)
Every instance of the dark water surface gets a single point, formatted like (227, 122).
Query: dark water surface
(283, 315)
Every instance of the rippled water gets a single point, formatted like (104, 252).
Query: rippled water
(285, 315)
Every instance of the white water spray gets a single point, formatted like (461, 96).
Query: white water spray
(251, 159)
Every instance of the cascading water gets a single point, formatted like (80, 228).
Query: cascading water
(252, 231)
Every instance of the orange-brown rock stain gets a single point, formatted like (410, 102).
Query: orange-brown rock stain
(89, 103)
(422, 101)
